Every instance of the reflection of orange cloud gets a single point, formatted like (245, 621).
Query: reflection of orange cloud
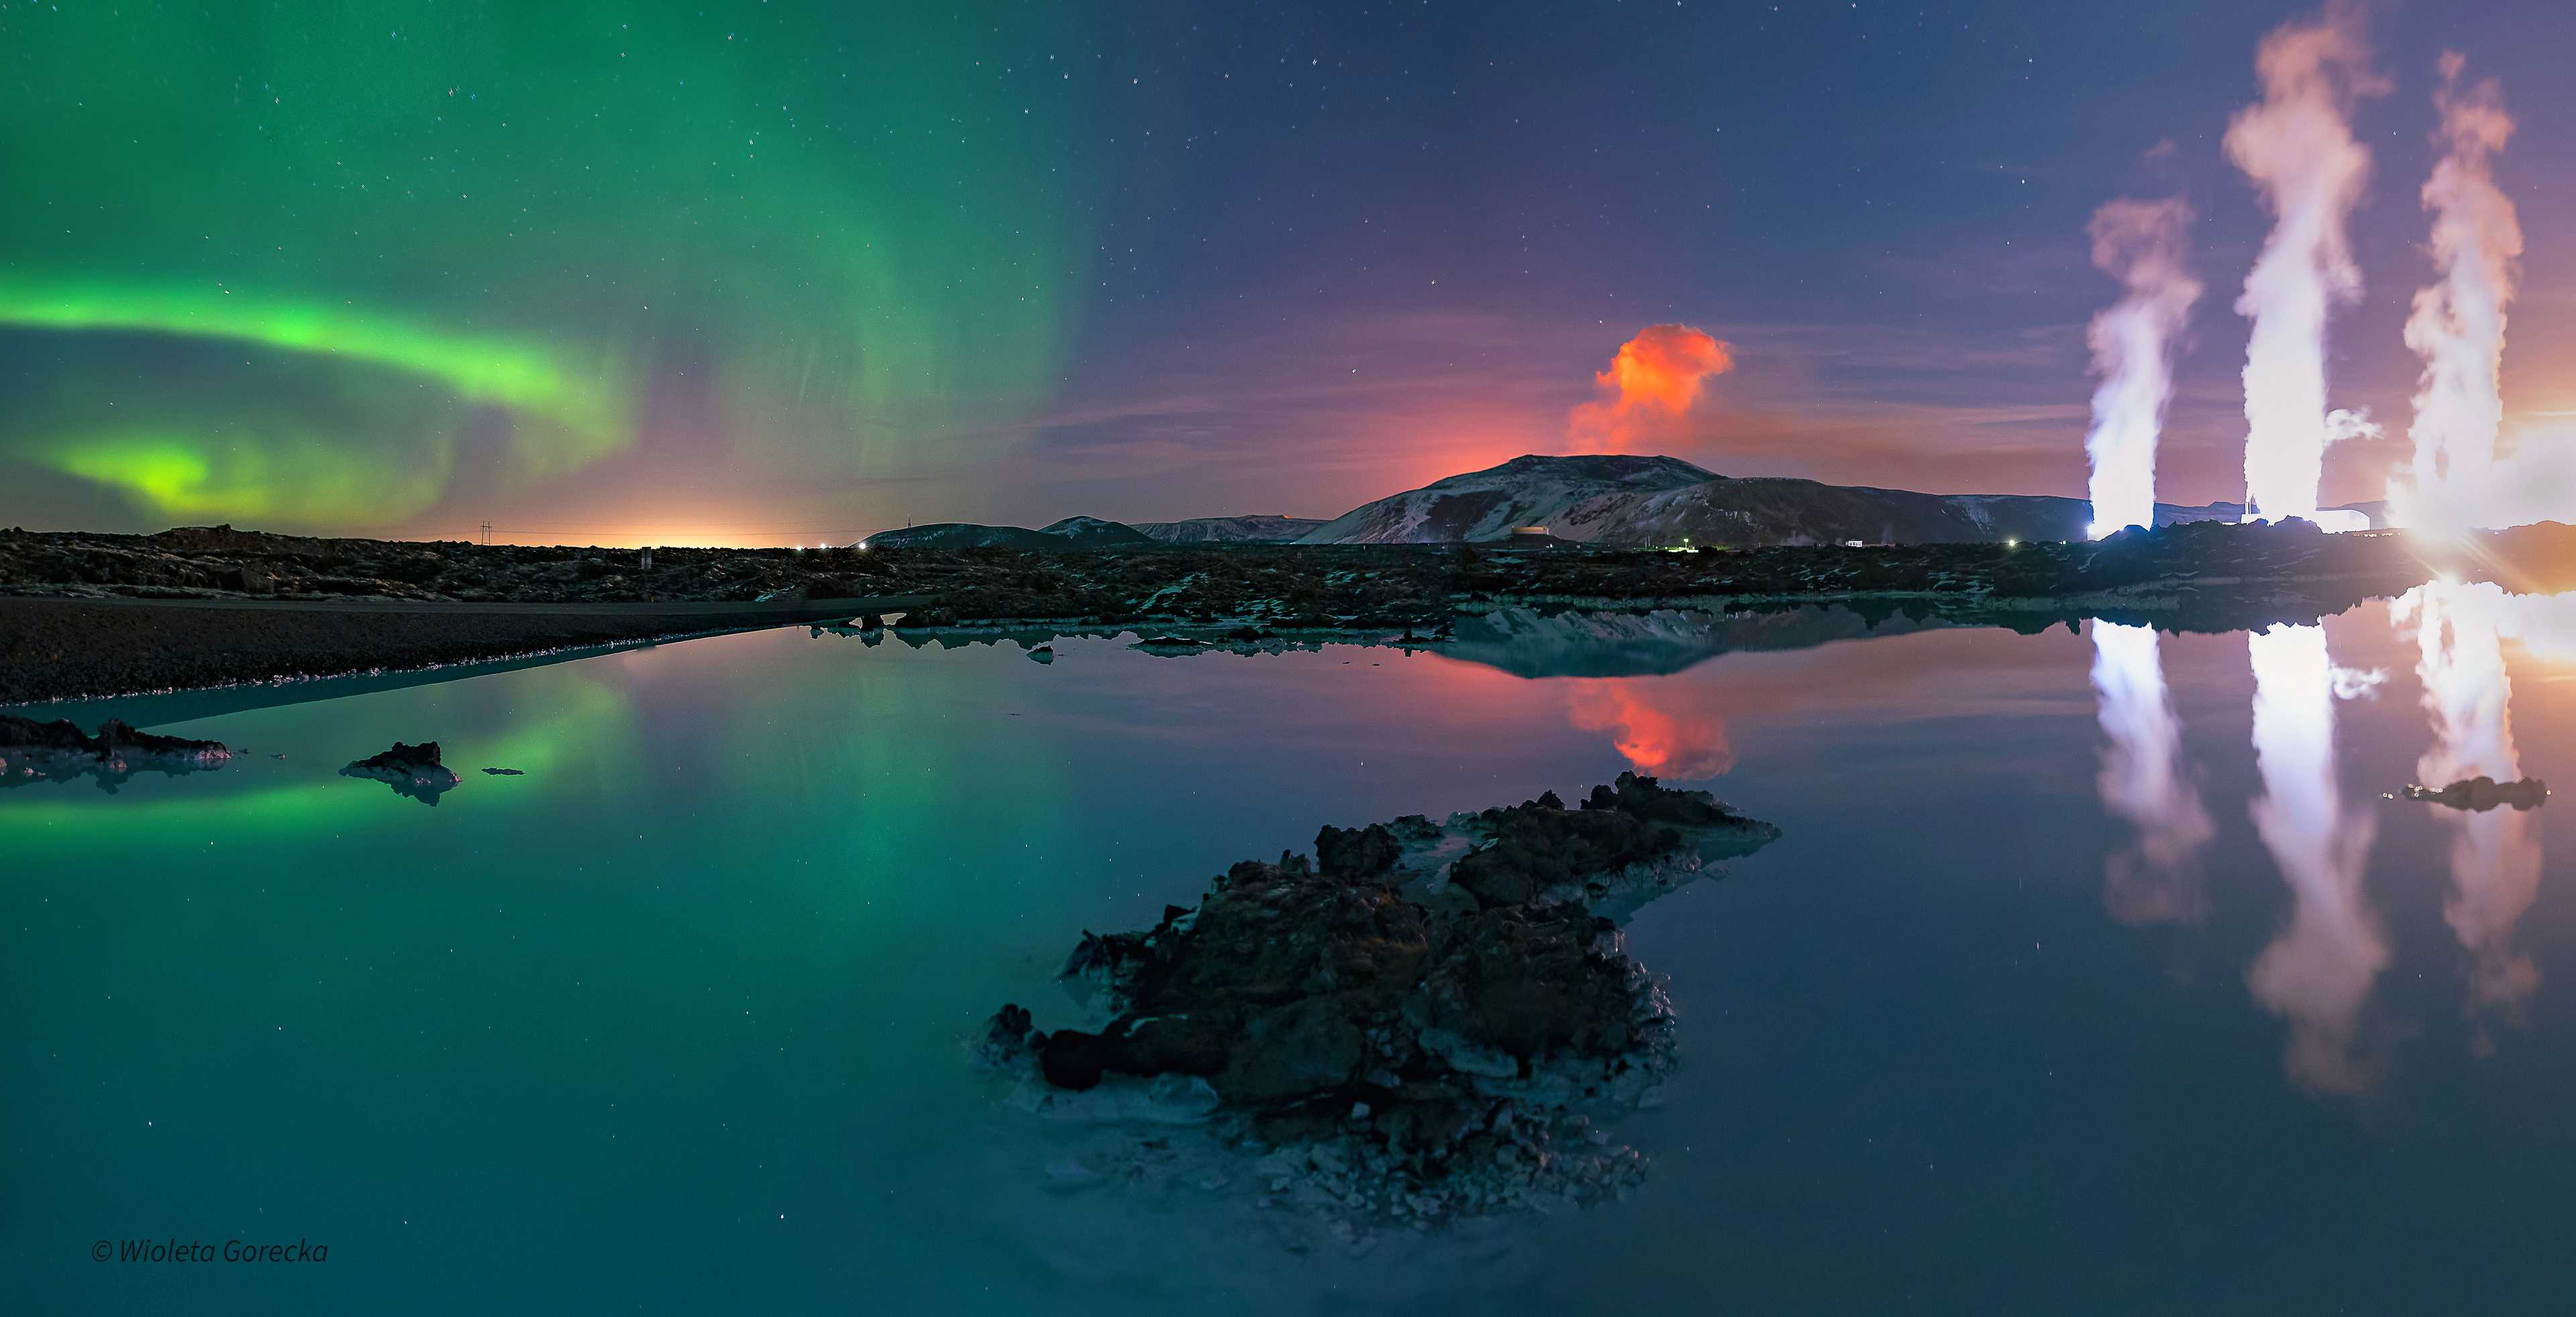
(1650, 386)
(1658, 737)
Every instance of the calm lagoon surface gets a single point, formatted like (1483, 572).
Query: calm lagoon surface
(2094, 973)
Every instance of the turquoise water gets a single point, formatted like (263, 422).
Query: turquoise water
(2057, 995)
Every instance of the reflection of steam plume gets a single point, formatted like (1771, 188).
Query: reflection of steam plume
(2458, 322)
(1658, 742)
(2142, 781)
(2139, 243)
(1653, 382)
(2298, 148)
(2495, 859)
(2318, 971)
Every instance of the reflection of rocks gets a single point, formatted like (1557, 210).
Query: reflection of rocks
(1418, 1023)
(411, 770)
(59, 751)
(2485, 793)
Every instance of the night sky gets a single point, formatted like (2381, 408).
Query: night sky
(773, 272)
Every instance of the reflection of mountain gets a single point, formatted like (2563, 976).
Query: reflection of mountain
(2158, 879)
(2495, 858)
(2317, 972)
(1786, 670)
(1529, 643)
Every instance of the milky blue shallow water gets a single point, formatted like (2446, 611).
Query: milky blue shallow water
(675, 1021)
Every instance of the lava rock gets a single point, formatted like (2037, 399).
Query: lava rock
(411, 770)
(1296, 995)
(1356, 853)
(2484, 793)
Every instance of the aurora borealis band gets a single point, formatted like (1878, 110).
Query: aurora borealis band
(309, 264)
(772, 271)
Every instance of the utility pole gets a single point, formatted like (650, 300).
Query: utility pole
(487, 533)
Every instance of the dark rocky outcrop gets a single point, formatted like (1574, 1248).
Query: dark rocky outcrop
(59, 750)
(411, 770)
(2484, 793)
(1461, 987)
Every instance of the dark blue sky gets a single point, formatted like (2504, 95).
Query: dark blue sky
(819, 269)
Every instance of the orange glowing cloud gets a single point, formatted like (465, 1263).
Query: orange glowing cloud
(1653, 382)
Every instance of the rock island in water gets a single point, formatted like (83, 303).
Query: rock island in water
(1421, 1021)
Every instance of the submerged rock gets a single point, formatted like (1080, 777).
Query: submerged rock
(1417, 1023)
(59, 750)
(2485, 793)
(505, 772)
(411, 770)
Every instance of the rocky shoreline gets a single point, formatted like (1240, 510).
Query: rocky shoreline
(1421, 1022)
(98, 614)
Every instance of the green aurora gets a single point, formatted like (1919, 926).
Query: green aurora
(313, 267)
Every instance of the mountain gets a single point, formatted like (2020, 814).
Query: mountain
(1607, 499)
(1254, 529)
(1568, 495)
(1070, 533)
(1619, 500)
(1094, 533)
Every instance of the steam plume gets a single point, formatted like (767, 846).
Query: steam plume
(2458, 323)
(2139, 243)
(1650, 386)
(2297, 147)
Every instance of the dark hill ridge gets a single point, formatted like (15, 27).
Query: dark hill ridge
(1623, 501)
(1070, 533)
(1614, 500)
(1275, 528)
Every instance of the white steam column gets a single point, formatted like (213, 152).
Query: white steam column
(2458, 323)
(2141, 244)
(2297, 147)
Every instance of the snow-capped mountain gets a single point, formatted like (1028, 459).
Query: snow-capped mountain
(1571, 496)
(1254, 529)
